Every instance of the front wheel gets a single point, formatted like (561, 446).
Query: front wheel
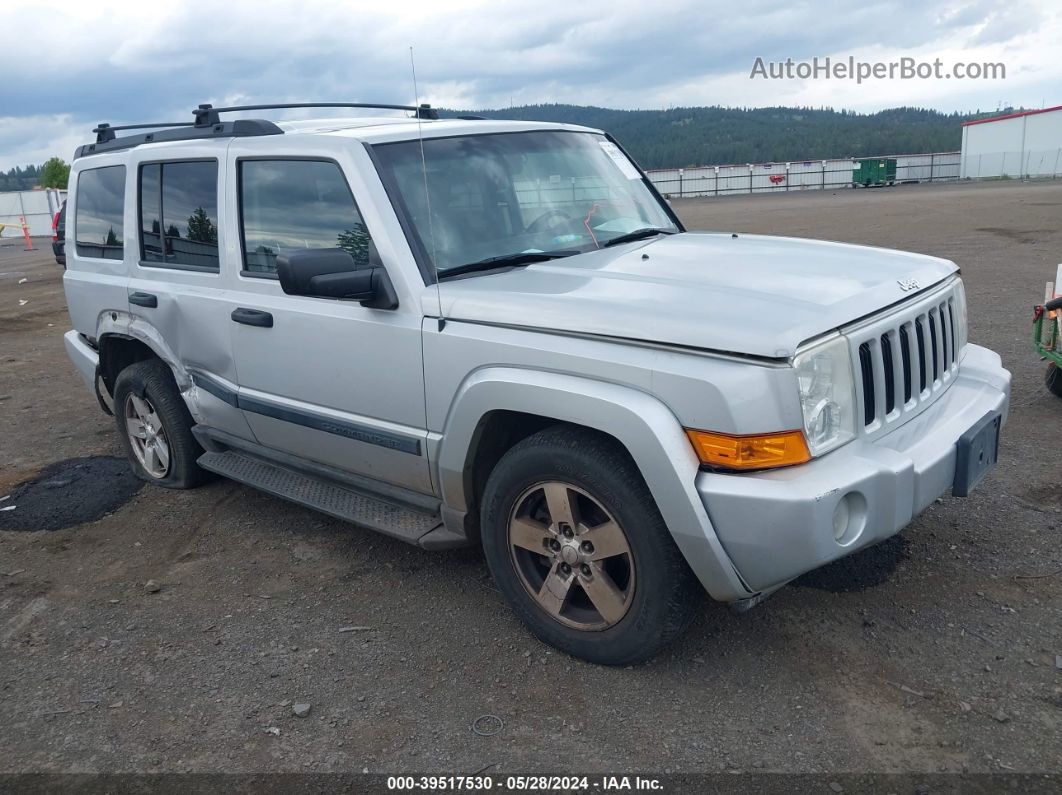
(1054, 379)
(576, 544)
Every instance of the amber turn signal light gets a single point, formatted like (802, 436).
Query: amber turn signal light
(762, 451)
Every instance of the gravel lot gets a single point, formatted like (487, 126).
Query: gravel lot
(936, 651)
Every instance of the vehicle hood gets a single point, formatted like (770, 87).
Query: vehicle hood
(748, 294)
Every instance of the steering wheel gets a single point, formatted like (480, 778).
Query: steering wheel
(543, 222)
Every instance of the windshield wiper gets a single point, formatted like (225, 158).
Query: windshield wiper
(505, 260)
(637, 234)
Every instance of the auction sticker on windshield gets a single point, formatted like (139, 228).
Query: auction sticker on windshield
(620, 159)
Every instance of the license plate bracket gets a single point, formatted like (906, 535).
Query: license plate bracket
(977, 452)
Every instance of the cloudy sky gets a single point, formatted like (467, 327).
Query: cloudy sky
(67, 65)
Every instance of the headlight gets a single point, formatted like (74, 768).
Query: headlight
(827, 394)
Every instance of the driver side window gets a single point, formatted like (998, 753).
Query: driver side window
(287, 205)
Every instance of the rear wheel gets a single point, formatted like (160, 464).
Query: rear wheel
(156, 427)
(1054, 379)
(579, 549)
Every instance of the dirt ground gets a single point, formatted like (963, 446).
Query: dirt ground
(937, 651)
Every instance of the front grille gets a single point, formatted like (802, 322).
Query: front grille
(906, 358)
(866, 370)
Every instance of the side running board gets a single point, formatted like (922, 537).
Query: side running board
(404, 523)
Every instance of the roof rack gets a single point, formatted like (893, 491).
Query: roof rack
(205, 115)
(105, 132)
(208, 124)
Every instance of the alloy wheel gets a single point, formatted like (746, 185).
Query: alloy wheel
(571, 556)
(147, 437)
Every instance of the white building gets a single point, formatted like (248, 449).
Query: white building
(1017, 145)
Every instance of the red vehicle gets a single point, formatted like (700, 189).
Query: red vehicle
(59, 235)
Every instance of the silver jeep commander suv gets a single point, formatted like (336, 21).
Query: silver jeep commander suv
(466, 331)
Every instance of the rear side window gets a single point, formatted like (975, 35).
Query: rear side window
(179, 215)
(100, 213)
(287, 205)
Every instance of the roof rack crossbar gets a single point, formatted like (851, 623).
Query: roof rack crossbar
(208, 124)
(207, 115)
(105, 132)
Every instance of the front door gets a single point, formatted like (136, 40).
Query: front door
(326, 380)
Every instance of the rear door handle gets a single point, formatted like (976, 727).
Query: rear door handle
(144, 299)
(252, 317)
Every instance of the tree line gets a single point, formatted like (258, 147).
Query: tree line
(18, 178)
(682, 137)
(54, 173)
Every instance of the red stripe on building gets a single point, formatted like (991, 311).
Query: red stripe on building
(1012, 116)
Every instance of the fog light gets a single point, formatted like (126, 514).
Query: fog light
(849, 518)
(841, 516)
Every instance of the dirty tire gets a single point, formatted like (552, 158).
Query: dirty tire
(1053, 379)
(665, 595)
(153, 380)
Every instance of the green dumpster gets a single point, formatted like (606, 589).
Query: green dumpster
(874, 171)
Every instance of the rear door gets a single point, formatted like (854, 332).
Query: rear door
(98, 266)
(327, 380)
(179, 290)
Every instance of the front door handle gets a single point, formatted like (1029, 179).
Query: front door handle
(252, 317)
(144, 299)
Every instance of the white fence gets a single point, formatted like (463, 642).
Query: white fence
(38, 207)
(796, 175)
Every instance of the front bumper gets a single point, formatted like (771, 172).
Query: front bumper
(777, 525)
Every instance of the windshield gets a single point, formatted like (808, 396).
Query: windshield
(500, 195)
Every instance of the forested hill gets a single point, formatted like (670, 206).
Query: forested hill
(19, 178)
(713, 135)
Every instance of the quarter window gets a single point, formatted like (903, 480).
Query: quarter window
(98, 226)
(286, 205)
(179, 214)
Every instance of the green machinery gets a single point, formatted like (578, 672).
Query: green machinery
(874, 171)
(1047, 336)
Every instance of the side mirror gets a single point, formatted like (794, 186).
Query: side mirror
(332, 273)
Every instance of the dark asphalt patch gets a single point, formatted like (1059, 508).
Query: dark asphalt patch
(69, 493)
(864, 569)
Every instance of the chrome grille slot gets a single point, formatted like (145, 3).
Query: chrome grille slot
(944, 333)
(866, 368)
(921, 334)
(905, 358)
(934, 342)
(890, 372)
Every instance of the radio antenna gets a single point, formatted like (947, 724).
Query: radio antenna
(427, 193)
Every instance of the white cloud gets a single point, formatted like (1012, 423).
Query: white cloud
(30, 140)
(134, 61)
